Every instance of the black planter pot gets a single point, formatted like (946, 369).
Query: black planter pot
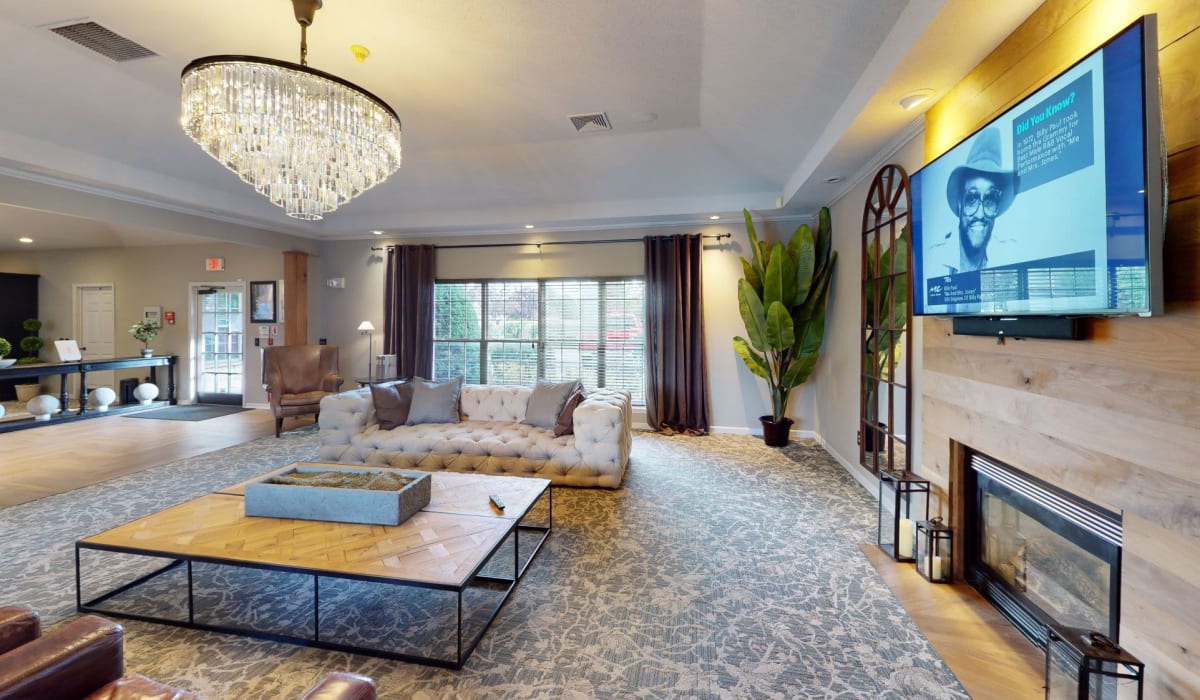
(775, 434)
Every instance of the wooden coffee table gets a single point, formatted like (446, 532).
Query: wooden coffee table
(444, 547)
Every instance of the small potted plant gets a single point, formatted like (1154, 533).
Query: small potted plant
(31, 345)
(5, 348)
(145, 332)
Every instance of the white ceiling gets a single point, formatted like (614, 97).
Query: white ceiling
(757, 104)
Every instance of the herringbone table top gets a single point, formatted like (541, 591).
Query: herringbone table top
(440, 546)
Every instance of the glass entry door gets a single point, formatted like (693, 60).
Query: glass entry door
(220, 364)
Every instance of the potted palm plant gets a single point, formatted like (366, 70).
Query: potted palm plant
(145, 331)
(885, 317)
(782, 299)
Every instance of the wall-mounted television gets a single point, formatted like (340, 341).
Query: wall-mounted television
(1055, 207)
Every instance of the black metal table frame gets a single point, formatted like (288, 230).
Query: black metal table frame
(463, 654)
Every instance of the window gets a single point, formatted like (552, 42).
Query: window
(519, 331)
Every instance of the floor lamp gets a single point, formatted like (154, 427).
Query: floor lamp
(366, 327)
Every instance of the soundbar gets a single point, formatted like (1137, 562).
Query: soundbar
(1052, 327)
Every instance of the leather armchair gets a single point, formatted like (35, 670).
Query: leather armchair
(85, 659)
(297, 377)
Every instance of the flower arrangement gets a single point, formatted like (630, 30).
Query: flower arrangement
(145, 331)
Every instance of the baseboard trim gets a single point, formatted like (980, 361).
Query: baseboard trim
(737, 430)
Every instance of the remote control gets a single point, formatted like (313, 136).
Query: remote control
(496, 501)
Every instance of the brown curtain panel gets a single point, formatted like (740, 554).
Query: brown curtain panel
(408, 309)
(676, 365)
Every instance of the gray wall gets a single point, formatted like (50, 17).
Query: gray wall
(738, 397)
(146, 276)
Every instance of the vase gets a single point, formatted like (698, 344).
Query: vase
(775, 434)
(147, 352)
(25, 392)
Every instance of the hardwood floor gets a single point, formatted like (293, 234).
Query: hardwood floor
(990, 658)
(46, 460)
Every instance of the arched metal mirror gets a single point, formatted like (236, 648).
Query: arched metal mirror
(885, 402)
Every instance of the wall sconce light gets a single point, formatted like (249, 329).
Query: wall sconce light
(367, 328)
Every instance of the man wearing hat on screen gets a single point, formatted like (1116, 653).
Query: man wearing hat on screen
(978, 192)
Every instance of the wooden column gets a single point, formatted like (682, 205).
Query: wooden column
(295, 297)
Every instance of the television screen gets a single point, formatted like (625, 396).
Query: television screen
(1055, 206)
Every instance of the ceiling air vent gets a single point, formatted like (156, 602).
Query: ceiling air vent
(591, 122)
(103, 41)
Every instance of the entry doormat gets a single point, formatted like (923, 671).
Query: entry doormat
(193, 412)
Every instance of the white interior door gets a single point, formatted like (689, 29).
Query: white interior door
(95, 319)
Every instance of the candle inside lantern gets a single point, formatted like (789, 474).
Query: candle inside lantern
(933, 566)
(904, 539)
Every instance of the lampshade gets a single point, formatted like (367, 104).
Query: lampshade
(306, 140)
(366, 326)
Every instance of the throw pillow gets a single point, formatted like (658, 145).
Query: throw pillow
(566, 419)
(546, 402)
(392, 403)
(433, 402)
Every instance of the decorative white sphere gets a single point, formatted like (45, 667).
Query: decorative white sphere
(145, 392)
(101, 397)
(1, 410)
(42, 406)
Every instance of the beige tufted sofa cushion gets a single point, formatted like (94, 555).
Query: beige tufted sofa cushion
(490, 439)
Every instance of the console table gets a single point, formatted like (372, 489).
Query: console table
(82, 367)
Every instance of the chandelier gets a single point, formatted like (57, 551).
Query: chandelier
(306, 140)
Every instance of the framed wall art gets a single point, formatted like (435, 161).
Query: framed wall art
(263, 307)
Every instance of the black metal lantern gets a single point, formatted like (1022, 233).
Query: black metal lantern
(1085, 665)
(908, 497)
(935, 551)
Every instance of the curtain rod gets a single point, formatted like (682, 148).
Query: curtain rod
(539, 244)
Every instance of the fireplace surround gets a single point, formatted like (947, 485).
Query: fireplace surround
(1040, 554)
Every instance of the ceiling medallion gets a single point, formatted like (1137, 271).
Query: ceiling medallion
(306, 140)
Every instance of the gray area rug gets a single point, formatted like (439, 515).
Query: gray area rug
(191, 412)
(721, 569)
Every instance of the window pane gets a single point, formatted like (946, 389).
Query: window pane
(512, 311)
(453, 359)
(512, 363)
(457, 309)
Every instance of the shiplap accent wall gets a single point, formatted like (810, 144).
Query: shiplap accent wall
(1114, 418)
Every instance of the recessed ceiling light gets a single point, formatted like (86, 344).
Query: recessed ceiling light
(25, 239)
(528, 225)
(834, 180)
(714, 217)
(377, 233)
(915, 98)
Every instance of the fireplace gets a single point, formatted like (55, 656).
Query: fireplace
(1038, 553)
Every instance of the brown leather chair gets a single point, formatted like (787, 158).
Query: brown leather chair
(297, 377)
(85, 658)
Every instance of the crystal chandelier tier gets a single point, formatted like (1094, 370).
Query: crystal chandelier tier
(306, 140)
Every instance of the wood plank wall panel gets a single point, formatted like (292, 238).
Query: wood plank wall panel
(295, 297)
(1114, 418)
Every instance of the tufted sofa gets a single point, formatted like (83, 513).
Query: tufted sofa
(490, 439)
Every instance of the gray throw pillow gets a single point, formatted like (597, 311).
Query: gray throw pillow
(547, 401)
(434, 403)
(392, 403)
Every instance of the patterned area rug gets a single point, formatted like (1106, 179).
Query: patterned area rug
(721, 569)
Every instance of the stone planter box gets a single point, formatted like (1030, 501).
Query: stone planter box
(338, 504)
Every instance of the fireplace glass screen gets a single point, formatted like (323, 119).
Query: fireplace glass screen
(1051, 557)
